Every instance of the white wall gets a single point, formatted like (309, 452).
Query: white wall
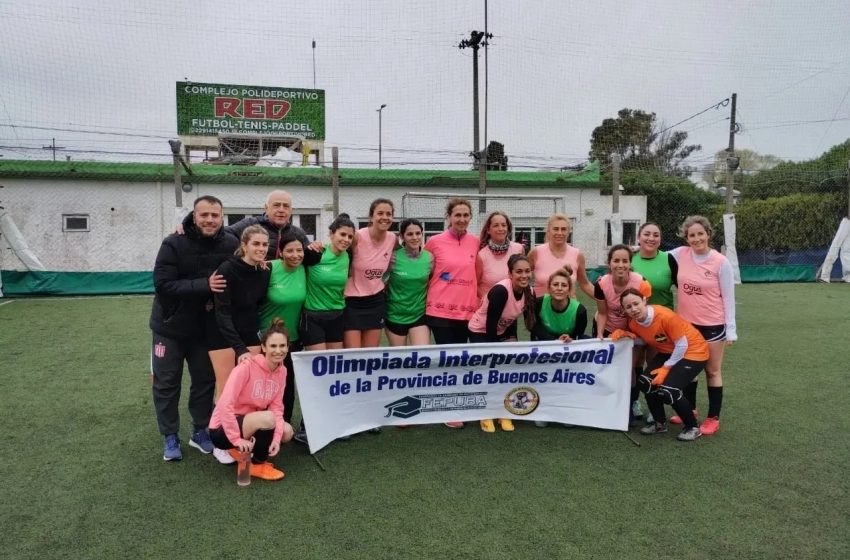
(129, 220)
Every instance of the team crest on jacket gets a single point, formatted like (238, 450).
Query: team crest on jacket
(159, 350)
(522, 400)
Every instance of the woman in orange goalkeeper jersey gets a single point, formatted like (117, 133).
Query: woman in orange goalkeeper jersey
(682, 353)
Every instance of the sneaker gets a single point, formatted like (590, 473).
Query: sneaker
(223, 457)
(172, 450)
(677, 420)
(649, 418)
(689, 434)
(266, 471)
(301, 436)
(636, 409)
(654, 428)
(201, 441)
(454, 424)
(486, 426)
(710, 426)
(376, 430)
(506, 424)
(541, 423)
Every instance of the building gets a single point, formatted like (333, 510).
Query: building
(95, 227)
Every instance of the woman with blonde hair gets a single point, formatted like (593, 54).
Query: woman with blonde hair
(557, 253)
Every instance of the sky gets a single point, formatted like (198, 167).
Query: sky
(99, 76)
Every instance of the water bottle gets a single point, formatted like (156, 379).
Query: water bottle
(243, 468)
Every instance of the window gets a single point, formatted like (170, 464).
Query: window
(630, 229)
(75, 222)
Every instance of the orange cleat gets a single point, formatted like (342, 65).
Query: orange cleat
(266, 471)
(710, 426)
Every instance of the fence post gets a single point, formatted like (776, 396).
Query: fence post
(335, 179)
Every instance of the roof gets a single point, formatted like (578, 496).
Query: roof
(306, 176)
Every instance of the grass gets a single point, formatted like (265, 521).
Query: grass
(84, 478)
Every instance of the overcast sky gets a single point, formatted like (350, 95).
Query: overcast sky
(556, 70)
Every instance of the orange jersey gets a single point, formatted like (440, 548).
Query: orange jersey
(666, 328)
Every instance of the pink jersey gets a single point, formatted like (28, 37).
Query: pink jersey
(616, 319)
(251, 387)
(513, 309)
(494, 267)
(545, 263)
(699, 298)
(369, 265)
(452, 289)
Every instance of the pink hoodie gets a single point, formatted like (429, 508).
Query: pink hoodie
(251, 387)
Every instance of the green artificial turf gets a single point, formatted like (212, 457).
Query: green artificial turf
(83, 475)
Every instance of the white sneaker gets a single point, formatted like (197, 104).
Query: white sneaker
(223, 457)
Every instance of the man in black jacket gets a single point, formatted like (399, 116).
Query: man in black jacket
(275, 219)
(185, 280)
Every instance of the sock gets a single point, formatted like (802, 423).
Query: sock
(683, 409)
(715, 401)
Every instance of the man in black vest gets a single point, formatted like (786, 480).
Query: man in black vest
(185, 280)
(276, 221)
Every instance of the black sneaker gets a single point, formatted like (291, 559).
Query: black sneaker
(301, 435)
(376, 430)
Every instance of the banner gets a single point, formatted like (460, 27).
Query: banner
(343, 392)
(212, 109)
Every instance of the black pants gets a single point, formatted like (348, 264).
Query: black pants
(671, 391)
(448, 331)
(289, 390)
(167, 357)
(262, 441)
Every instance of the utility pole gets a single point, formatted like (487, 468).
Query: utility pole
(475, 42)
(380, 112)
(486, 77)
(53, 147)
(732, 161)
(314, 64)
(615, 186)
(335, 179)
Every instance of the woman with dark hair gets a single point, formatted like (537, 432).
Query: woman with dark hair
(657, 267)
(557, 316)
(365, 301)
(706, 298)
(495, 320)
(327, 273)
(496, 247)
(285, 299)
(406, 288)
(248, 416)
(681, 353)
(452, 295)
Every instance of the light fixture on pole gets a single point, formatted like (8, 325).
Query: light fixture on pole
(380, 111)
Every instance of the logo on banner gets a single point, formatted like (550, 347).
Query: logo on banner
(407, 407)
(159, 350)
(522, 400)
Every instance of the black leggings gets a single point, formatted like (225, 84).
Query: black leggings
(671, 391)
(262, 441)
(289, 390)
(447, 331)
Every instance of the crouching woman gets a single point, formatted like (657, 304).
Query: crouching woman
(248, 416)
(682, 354)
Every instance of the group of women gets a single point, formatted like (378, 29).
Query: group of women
(459, 288)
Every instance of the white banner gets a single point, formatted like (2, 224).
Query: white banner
(345, 392)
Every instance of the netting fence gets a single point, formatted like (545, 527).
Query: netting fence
(257, 105)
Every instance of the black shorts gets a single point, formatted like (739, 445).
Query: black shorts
(365, 313)
(510, 333)
(215, 341)
(712, 333)
(219, 438)
(318, 327)
(403, 329)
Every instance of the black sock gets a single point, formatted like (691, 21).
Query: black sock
(634, 394)
(683, 409)
(715, 401)
(690, 393)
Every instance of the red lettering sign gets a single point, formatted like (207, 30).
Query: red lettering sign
(274, 109)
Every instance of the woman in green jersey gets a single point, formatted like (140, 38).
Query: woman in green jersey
(406, 288)
(557, 315)
(657, 267)
(285, 300)
(327, 272)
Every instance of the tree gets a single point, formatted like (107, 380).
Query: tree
(641, 143)
(750, 162)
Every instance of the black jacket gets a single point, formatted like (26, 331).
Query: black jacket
(237, 308)
(275, 233)
(181, 280)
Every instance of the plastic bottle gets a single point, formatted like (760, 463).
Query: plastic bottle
(243, 469)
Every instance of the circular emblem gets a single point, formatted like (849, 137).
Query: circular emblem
(522, 400)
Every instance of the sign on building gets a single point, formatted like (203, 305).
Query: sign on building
(212, 109)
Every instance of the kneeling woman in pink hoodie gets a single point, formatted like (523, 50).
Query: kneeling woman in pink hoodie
(248, 416)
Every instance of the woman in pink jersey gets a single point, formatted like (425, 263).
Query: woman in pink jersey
(365, 301)
(706, 298)
(609, 314)
(248, 416)
(452, 295)
(491, 264)
(557, 253)
(495, 320)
